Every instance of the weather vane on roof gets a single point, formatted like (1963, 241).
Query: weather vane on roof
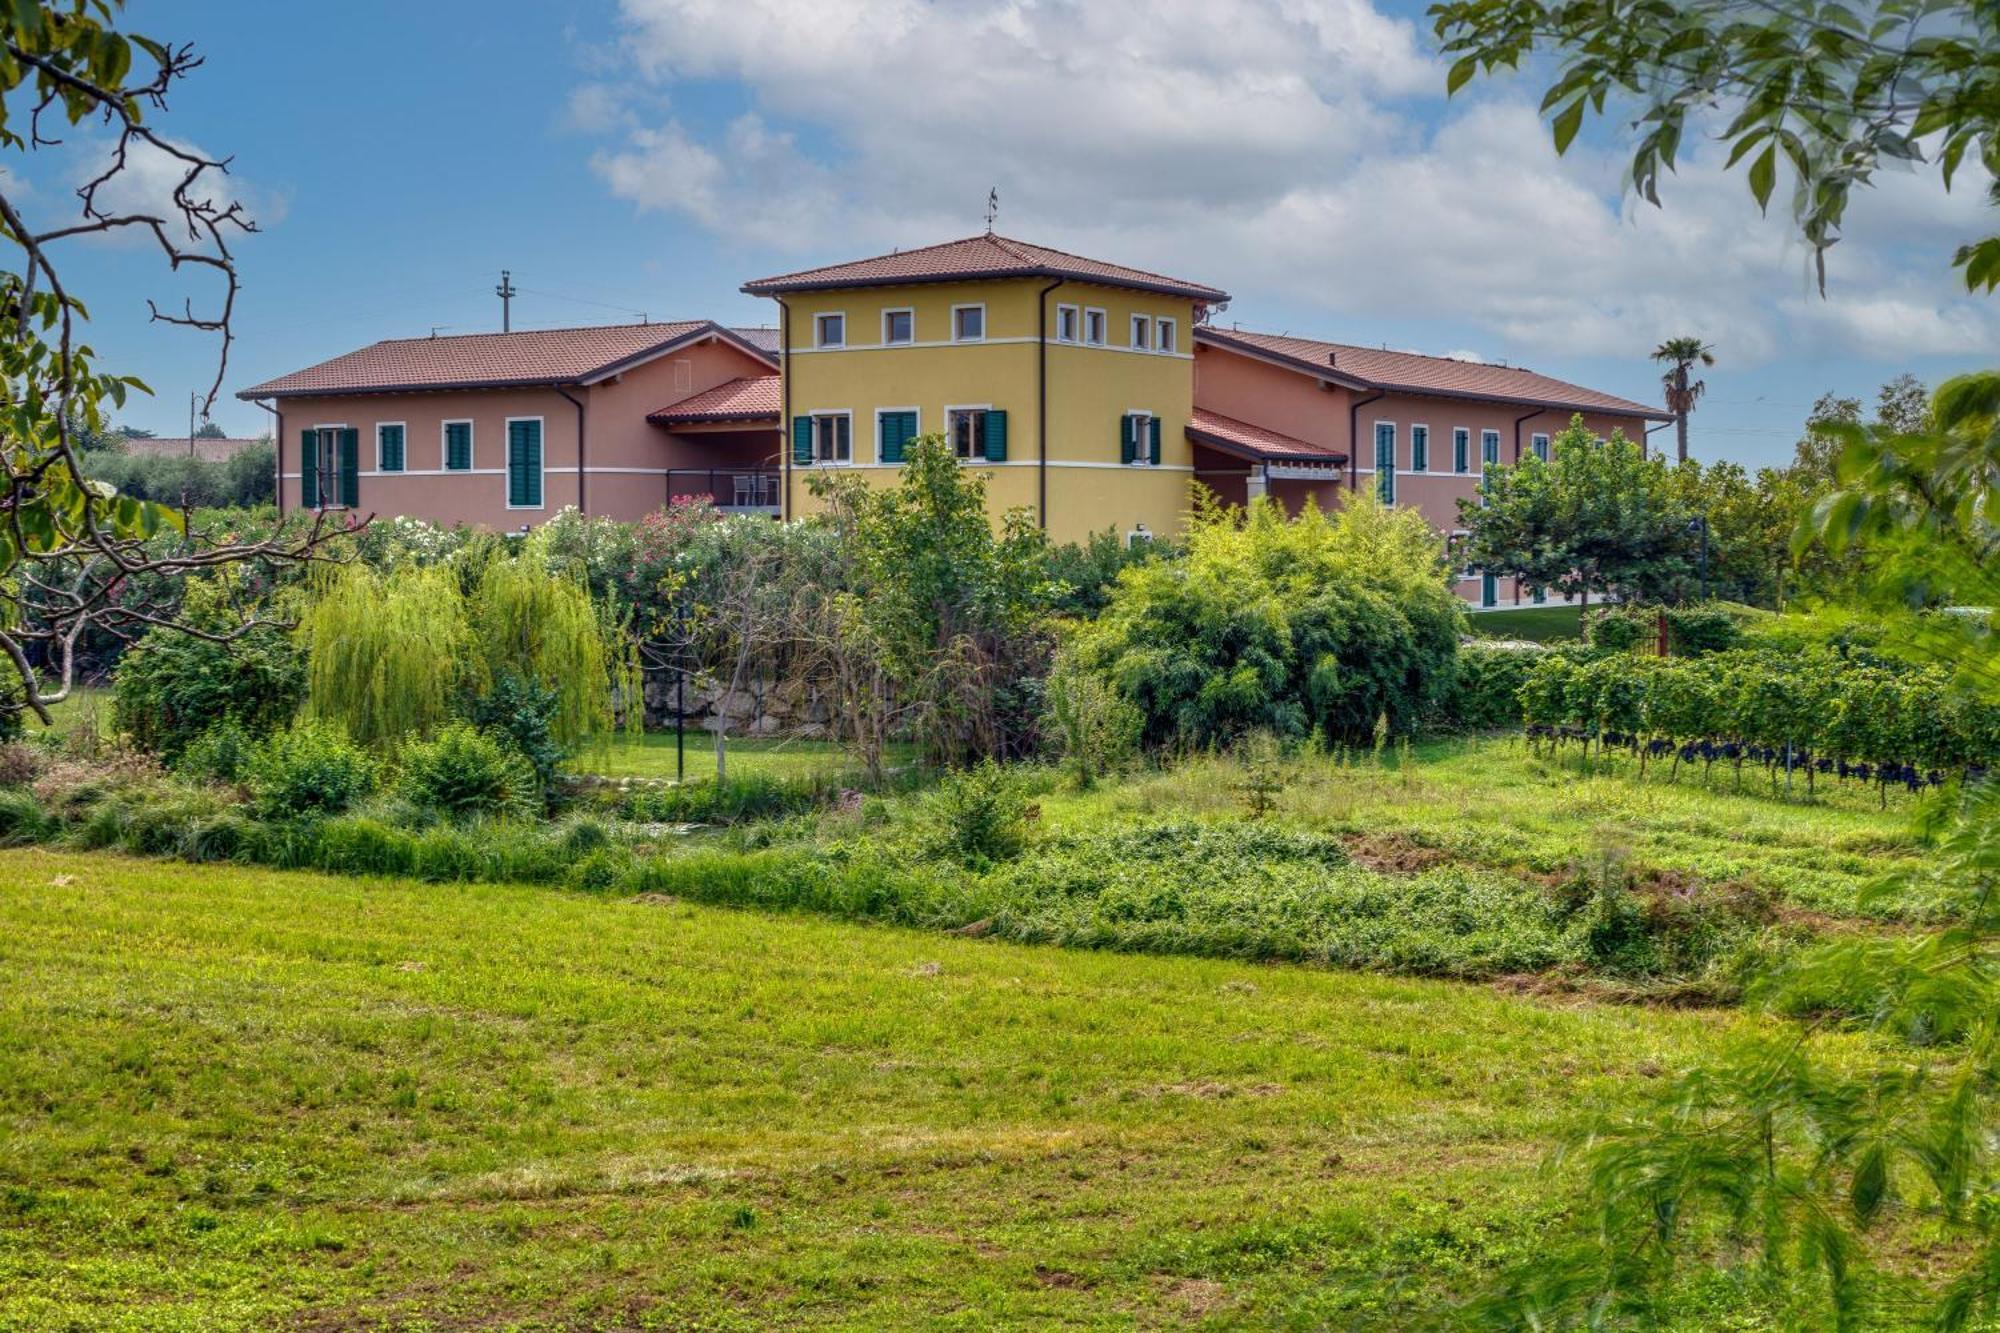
(992, 208)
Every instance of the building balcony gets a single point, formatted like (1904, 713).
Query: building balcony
(732, 490)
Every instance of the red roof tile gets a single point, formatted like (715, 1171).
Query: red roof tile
(1254, 442)
(748, 399)
(975, 257)
(1410, 372)
(491, 360)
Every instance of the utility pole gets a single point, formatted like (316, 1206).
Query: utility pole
(506, 292)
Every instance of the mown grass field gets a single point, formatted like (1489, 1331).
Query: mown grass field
(1536, 624)
(237, 1098)
(653, 755)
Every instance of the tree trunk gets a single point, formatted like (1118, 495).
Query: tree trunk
(1681, 434)
(1583, 612)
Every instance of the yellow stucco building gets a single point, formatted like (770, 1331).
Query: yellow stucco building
(1069, 380)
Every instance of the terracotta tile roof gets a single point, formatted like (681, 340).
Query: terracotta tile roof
(747, 399)
(1410, 372)
(490, 360)
(1254, 442)
(208, 448)
(979, 257)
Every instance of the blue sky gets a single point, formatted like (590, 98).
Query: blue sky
(651, 155)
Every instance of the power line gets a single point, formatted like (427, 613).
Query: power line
(582, 300)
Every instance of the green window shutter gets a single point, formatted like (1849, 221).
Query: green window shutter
(1154, 451)
(1420, 448)
(996, 436)
(1461, 447)
(524, 464)
(350, 468)
(1127, 447)
(895, 432)
(309, 469)
(802, 441)
(1385, 462)
(391, 450)
(458, 446)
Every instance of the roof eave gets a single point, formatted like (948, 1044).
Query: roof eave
(1238, 449)
(371, 390)
(783, 287)
(1331, 371)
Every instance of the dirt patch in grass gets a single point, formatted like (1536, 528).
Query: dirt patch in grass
(1393, 853)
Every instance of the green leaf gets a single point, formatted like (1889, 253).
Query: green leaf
(1567, 124)
(1763, 175)
(1461, 74)
(1871, 1184)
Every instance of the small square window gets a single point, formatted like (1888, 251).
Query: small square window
(1166, 338)
(830, 330)
(1093, 327)
(1142, 333)
(899, 326)
(1067, 324)
(968, 323)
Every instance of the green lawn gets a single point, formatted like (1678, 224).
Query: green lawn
(653, 756)
(236, 1098)
(87, 705)
(1536, 624)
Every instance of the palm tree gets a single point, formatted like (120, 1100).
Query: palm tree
(1683, 393)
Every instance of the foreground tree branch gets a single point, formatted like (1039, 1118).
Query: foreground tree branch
(76, 557)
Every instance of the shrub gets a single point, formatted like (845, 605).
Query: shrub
(1486, 684)
(18, 764)
(172, 687)
(310, 769)
(1703, 628)
(1618, 629)
(1314, 625)
(220, 754)
(22, 819)
(1088, 726)
(523, 712)
(732, 800)
(466, 773)
(977, 817)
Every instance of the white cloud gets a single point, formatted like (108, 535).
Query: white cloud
(1295, 151)
(146, 183)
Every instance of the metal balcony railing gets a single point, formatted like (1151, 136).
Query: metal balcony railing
(733, 490)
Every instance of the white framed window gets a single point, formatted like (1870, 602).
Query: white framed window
(1420, 448)
(1166, 337)
(1138, 438)
(830, 329)
(1095, 325)
(899, 326)
(1069, 323)
(965, 427)
(1540, 444)
(391, 446)
(1461, 449)
(968, 323)
(833, 437)
(456, 443)
(1142, 333)
(1489, 449)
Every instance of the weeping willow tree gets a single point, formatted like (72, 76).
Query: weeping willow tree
(385, 653)
(543, 627)
(394, 656)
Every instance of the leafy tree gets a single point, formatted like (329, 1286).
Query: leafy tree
(946, 605)
(1832, 91)
(70, 546)
(1680, 356)
(1597, 517)
(1903, 405)
(208, 430)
